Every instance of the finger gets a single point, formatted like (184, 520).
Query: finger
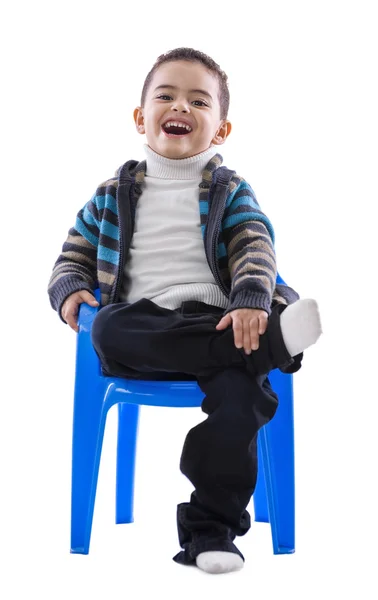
(238, 333)
(254, 334)
(71, 319)
(224, 322)
(88, 298)
(247, 345)
(263, 323)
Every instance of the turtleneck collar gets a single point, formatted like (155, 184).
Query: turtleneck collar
(182, 168)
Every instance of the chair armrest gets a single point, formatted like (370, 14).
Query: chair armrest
(87, 361)
(87, 313)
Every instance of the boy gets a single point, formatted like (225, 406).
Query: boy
(185, 262)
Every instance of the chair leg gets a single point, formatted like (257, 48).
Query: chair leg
(88, 432)
(128, 416)
(259, 496)
(276, 441)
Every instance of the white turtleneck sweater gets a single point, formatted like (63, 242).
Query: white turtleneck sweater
(166, 261)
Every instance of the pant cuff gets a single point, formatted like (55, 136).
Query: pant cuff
(282, 358)
(189, 555)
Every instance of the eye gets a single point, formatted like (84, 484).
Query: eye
(199, 103)
(164, 97)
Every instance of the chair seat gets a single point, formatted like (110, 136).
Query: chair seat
(152, 393)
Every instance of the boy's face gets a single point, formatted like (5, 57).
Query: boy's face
(185, 93)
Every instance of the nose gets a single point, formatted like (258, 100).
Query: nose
(180, 106)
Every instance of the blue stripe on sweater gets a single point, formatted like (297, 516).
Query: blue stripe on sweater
(221, 250)
(106, 201)
(110, 230)
(89, 218)
(242, 186)
(111, 256)
(88, 235)
(204, 207)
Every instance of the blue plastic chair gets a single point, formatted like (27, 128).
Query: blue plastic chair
(95, 394)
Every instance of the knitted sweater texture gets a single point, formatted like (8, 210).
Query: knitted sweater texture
(238, 238)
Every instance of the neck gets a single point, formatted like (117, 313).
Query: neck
(177, 168)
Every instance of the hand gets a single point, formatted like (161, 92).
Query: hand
(70, 308)
(248, 324)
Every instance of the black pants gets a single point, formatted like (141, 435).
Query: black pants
(219, 457)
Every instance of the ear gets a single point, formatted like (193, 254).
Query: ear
(222, 133)
(139, 119)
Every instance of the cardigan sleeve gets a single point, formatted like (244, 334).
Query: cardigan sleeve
(76, 267)
(249, 238)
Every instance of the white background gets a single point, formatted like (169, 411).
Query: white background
(303, 81)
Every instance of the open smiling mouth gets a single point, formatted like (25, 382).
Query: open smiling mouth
(175, 130)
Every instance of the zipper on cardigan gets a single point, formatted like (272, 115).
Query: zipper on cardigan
(217, 274)
(121, 223)
(212, 259)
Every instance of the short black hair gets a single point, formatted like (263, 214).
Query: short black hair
(192, 55)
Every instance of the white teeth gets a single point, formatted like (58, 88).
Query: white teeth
(175, 124)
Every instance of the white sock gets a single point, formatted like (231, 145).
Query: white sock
(300, 325)
(219, 562)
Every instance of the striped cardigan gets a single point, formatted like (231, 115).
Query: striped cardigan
(238, 239)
